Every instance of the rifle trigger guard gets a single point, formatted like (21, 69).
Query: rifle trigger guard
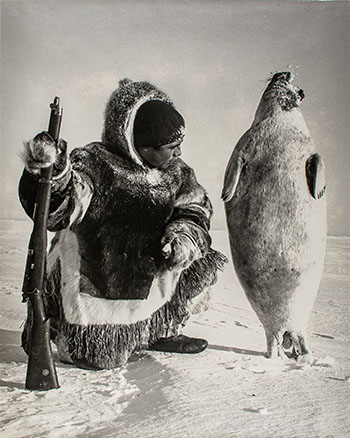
(47, 293)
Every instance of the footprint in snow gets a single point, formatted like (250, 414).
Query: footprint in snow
(261, 411)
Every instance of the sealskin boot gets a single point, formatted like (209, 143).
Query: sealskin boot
(180, 344)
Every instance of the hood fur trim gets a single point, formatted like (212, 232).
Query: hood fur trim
(120, 114)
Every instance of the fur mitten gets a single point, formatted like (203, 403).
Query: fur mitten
(182, 244)
(42, 151)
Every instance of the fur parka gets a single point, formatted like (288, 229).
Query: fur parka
(109, 292)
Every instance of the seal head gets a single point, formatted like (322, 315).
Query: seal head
(280, 95)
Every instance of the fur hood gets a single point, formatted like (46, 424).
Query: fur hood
(120, 113)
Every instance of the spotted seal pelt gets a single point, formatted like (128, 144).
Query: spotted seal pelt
(274, 194)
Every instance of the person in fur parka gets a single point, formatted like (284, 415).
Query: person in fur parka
(131, 257)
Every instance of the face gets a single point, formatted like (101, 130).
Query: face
(161, 156)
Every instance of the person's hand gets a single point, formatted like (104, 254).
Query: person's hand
(42, 151)
(178, 250)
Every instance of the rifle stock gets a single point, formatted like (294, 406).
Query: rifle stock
(41, 371)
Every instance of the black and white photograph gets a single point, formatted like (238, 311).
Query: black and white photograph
(175, 219)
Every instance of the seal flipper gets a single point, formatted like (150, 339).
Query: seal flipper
(232, 175)
(315, 176)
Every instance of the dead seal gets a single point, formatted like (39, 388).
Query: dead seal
(274, 195)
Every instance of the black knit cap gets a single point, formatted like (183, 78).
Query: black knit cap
(157, 123)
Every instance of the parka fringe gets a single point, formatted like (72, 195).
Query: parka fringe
(108, 346)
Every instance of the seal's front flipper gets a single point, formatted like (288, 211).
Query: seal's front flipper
(232, 175)
(316, 175)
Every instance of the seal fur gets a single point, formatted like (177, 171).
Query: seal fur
(275, 204)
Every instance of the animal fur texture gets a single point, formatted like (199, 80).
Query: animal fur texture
(109, 292)
(275, 203)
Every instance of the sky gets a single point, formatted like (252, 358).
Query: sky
(213, 59)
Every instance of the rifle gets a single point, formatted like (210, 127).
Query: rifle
(41, 371)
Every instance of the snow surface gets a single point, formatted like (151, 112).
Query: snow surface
(229, 390)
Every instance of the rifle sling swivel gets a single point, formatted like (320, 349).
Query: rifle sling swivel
(28, 294)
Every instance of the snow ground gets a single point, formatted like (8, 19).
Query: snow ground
(230, 390)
